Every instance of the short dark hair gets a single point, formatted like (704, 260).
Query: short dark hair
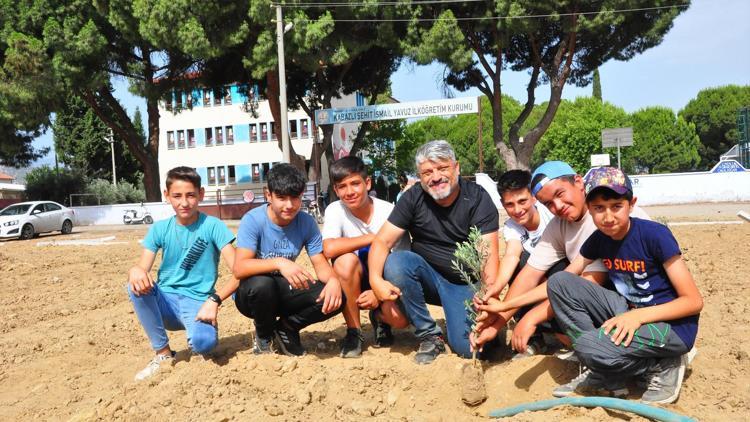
(346, 166)
(513, 180)
(606, 194)
(184, 173)
(286, 180)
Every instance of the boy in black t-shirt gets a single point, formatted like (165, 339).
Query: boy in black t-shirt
(645, 328)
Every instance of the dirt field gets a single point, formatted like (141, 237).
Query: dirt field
(70, 346)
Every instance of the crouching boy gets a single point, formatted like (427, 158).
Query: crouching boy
(278, 294)
(647, 326)
(183, 297)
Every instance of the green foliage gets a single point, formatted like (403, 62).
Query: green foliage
(597, 86)
(123, 193)
(378, 144)
(47, 184)
(575, 133)
(714, 113)
(662, 143)
(470, 260)
(81, 141)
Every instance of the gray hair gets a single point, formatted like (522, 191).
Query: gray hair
(438, 150)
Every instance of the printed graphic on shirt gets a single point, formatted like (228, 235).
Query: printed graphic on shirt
(194, 254)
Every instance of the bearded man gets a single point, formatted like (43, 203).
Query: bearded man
(437, 213)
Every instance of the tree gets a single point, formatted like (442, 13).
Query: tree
(576, 132)
(76, 48)
(662, 143)
(379, 144)
(563, 46)
(48, 184)
(597, 86)
(714, 113)
(81, 143)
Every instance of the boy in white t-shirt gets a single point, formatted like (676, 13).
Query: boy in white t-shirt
(350, 225)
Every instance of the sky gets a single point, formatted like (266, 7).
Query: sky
(708, 46)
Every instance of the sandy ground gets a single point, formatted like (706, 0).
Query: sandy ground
(70, 346)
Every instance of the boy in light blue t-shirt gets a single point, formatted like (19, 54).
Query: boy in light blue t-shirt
(277, 293)
(183, 297)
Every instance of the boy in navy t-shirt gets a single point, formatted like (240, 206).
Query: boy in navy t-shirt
(276, 292)
(647, 326)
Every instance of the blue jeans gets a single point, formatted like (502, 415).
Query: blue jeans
(159, 311)
(420, 284)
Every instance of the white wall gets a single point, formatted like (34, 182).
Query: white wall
(683, 188)
(112, 214)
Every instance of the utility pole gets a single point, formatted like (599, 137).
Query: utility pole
(111, 139)
(285, 150)
(481, 144)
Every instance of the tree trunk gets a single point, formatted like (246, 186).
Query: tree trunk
(272, 94)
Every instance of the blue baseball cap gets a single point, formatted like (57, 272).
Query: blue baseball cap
(548, 172)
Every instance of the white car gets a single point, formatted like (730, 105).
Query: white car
(27, 219)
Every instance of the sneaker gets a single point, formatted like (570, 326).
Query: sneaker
(566, 355)
(351, 346)
(592, 383)
(536, 346)
(153, 367)
(382, 331)
(644, 381)
(287, 340)
(665, 380)
(262, 346)
(429, 349)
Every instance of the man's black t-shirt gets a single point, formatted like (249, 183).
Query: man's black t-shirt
(435, 229)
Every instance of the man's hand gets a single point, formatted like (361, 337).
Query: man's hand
(297, 277)
(384, 291)
(208, 312)
(622, 327)
(367, 300)
(479, 337)
(330, 296)
(521, 335)
(140, 281)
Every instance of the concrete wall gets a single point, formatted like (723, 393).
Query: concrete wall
(683, 188)
(112, 214)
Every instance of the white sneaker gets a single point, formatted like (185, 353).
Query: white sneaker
(153, 367)
(566, 355)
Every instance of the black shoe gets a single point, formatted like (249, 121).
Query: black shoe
(381, 330)
(287, 339)
(351, 347)
(429, 349)
(262, 346)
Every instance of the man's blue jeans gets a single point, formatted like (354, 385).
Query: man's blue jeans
(159, 311)
(420, 284)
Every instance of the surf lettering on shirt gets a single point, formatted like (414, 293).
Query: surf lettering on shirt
(632, 266)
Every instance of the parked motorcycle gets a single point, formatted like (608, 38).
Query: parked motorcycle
(137, 216)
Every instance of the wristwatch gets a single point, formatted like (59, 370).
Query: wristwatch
(214, 297)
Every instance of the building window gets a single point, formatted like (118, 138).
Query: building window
(305, 129)
(292, 129)
(178, 98)
(191, 138)
(229, 130)
(212, 175)
(209, 137)
(255, 176)
(219, 135)
(222, 175)
(263, 132)
(217, 96)
(273, 131)
(253, 132)
(189, 99)
(181, 139)
(232, 176)
(170, 140)
(227, 96)
(206, 97)
(265, 168)
(168, 103)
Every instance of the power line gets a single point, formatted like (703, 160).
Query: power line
(540, 16)
(361, 4)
